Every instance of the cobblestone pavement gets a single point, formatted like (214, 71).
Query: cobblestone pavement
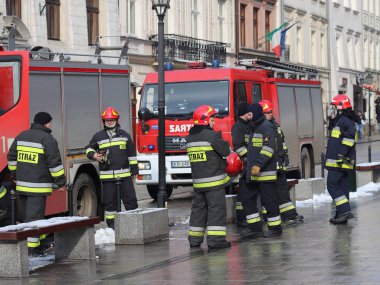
(314, 252)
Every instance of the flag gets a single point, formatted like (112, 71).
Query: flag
(275, 38)
(283, 37)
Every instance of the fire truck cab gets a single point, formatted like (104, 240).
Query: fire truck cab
(294, 91)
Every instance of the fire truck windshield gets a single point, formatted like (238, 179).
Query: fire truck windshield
(181, 99)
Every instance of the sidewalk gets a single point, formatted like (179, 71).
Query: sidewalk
(314, 252)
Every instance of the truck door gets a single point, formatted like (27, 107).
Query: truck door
(14, 111)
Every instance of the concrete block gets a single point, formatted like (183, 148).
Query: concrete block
(306, 188)
(141, 226)
(14, 259)
(363, 177)
(231, 208)
(292, 194)
(75, 244)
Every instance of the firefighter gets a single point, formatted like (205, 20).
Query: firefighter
(247, 195)
(288, 211)
(35, 164)
(206, 150)
(113, 148)
(340, 155)
(261, 166)
(5, 204)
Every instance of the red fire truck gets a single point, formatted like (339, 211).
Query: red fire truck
(74, 94)
(295, 92)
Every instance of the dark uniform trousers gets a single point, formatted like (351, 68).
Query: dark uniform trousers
(208, 209)
(337, 185)
(269, 201)
(127, 194)
(240, 216)
(287, 209)
(249, 194)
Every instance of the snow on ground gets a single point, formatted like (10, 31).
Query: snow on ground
(364, 191)
(104, 236)
(41, 261)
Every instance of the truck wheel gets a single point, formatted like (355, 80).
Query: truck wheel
(309, 164)
(153, 191)
(85, 200)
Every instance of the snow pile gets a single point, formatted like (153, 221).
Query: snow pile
(104, 236)
(364, 191)
(40, 261)
(41, 223)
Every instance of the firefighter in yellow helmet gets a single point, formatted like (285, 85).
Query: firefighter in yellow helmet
(206, 150)
(113, 148)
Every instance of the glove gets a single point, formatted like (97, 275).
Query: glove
(286, 160)
(255, 170)
(341, 159)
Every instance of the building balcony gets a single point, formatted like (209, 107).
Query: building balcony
(182, 48)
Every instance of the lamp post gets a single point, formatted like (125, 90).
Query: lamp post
(160, 6)
(369, 81)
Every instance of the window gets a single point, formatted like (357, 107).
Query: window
(323, 50)
(267, 29)
(340, 54)
(314, 51)
(255, 28)
(242, 25)
(92, 20)
(131, 16)
(52, 17)
(221, 20)
(9, 85)
(256, 93)
(13, 8)
(194, 18)
(299, 54)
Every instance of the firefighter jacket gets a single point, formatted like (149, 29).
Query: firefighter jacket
(5, 205)
(240, 135)
(35, 162)
(262, 151)
(206, 150)
(340, 153)
(282, 149)
(119, 154)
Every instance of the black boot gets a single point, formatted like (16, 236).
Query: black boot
(241, 223)
(341, 218)
(293, 220)
(219, 244)
(111, 223)
(273, 233)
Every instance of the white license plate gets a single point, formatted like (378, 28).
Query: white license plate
(180, 164)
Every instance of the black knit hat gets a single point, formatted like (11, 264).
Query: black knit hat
(42, 118)
(256, 110)
(242, 109)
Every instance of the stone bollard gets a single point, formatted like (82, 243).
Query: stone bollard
(141, 226)
(231, 208)
(306, 188)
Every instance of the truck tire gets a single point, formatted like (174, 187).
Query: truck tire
(309, 163)
(153, 191)
(85, 200)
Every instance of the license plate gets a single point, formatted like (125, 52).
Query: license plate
(180, 164)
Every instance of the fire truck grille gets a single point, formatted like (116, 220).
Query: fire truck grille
(175, 143)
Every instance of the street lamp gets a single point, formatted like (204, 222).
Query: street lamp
(160, 6)
(369, 81)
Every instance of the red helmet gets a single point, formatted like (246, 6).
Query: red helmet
(202, 115)
(234, 164)
(110, 113)
(267, 106)
(341, 102)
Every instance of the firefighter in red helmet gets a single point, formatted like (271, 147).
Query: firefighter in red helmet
(288, 211)
(206, 150)
(113, 148)
(341, 155)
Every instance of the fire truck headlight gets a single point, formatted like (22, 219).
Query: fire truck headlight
(144, 165)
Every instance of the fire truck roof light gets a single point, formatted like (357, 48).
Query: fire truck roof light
(215, 63)
(196, 65)
(168, 66)
(151, 146)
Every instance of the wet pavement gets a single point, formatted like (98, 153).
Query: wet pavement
(313, 252)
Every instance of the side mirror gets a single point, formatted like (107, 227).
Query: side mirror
(144, 114)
